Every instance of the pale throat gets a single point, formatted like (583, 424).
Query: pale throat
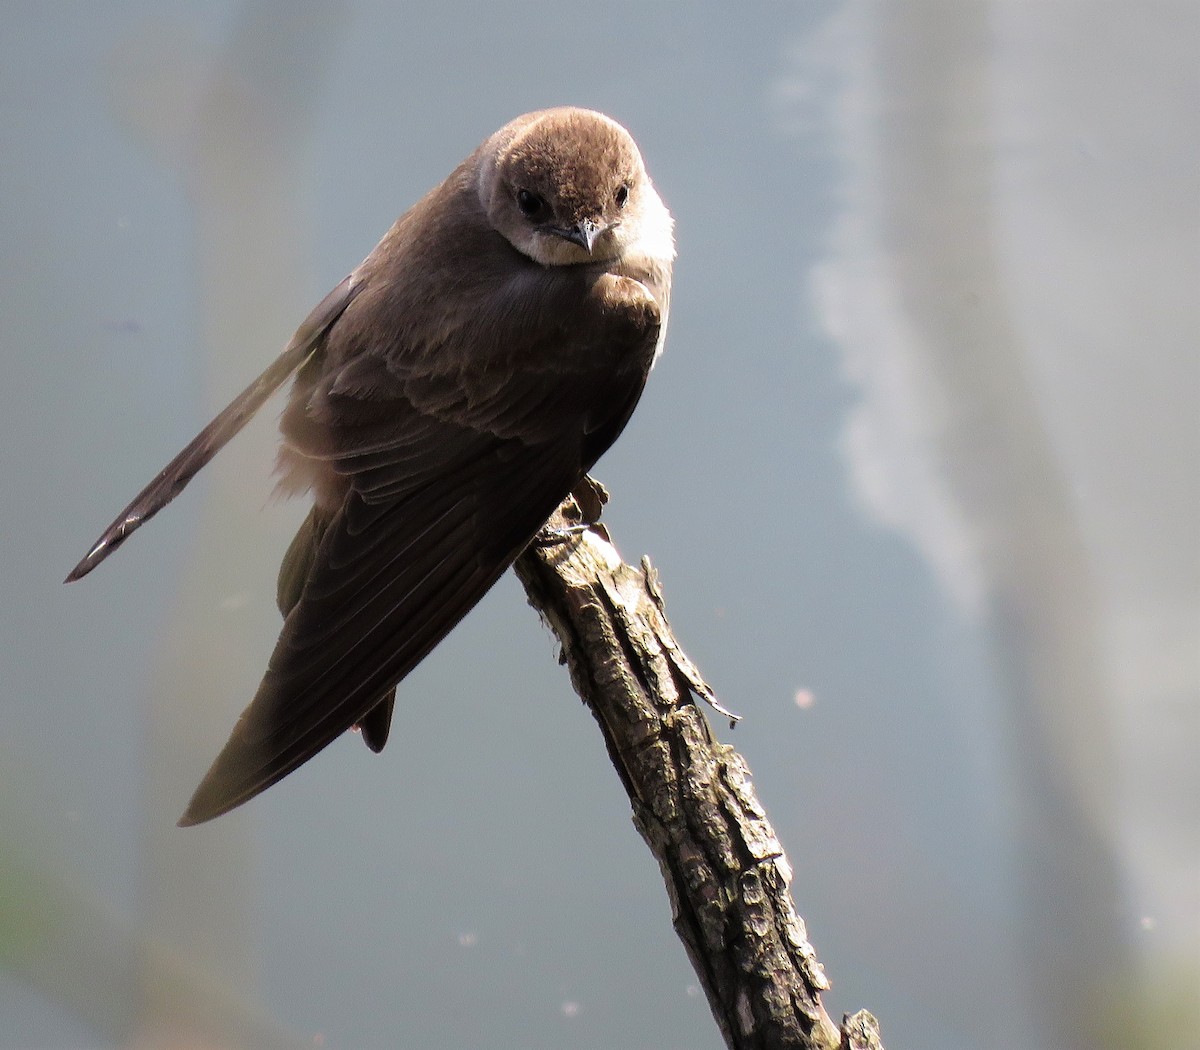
(648, 236)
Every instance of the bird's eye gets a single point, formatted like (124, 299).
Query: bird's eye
(622, 195)
(529, 203)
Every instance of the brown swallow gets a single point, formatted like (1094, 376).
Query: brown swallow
(448, 395)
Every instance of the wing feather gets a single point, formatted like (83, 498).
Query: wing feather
(174, 477)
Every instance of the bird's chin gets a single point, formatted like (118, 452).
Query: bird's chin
(549, 249)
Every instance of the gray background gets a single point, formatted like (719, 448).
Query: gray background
(919, 469)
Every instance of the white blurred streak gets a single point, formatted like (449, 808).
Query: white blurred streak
(899, 418)
(1013, 282)
(1098, 219)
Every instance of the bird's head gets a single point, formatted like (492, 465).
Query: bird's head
(565, 186)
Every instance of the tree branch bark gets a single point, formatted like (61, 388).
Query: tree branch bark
(693, 801)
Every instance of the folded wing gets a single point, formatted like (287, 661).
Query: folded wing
(447, 483)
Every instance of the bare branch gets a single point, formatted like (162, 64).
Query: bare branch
(693, 801)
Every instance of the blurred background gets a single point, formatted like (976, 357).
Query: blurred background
(920, 469)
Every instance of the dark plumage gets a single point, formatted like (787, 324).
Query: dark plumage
(448, 395)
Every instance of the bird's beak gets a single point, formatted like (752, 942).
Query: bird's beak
(583, 233)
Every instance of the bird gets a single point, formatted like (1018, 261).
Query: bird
(447, 396)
